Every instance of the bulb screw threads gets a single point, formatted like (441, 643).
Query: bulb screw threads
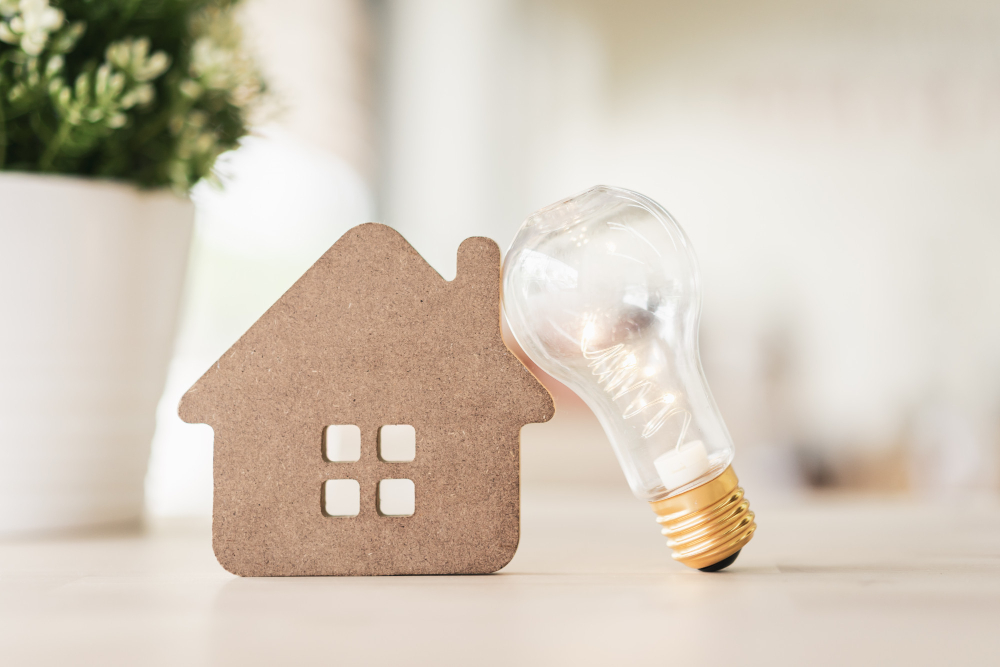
(708, 524)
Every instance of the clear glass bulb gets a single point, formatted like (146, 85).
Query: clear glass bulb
(601, 291)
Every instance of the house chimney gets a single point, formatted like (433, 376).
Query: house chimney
(478, 276)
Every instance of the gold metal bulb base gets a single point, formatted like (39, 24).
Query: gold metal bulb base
(707, 524)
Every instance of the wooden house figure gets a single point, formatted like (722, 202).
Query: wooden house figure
(371, 336)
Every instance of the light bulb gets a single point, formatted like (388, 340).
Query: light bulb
(601, 291)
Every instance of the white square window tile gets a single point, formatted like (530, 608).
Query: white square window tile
(397, 443)
(342, 497)
(342, 444)
(396, 497)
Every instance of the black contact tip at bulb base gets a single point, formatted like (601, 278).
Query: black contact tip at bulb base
(722, 564)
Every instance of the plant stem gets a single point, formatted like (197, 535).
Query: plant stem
(3, 131)
(3, 115)
(52, 149)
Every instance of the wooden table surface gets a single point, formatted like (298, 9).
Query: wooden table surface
(825, 582)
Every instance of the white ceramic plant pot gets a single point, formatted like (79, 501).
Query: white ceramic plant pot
(90, 282)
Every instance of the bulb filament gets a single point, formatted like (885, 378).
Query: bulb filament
(618, 373)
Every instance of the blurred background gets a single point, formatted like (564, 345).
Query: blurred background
(836, 165)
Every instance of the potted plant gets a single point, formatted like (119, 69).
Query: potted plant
(110, 112)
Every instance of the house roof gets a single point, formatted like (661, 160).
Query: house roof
(371, 323)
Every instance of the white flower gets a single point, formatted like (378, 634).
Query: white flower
(8, 35)
(219, 68)
(29, 23)
(138, 96)
(189, 88)
(16, 92)
(53, 66)
(119, 53)
(39, 17)
(9, 7)
(132, 57)
(156, 65)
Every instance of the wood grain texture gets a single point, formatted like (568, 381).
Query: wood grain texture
(371, 335)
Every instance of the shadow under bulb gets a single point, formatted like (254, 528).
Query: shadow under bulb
(601, 291)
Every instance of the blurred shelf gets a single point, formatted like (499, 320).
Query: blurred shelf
(825, 582)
